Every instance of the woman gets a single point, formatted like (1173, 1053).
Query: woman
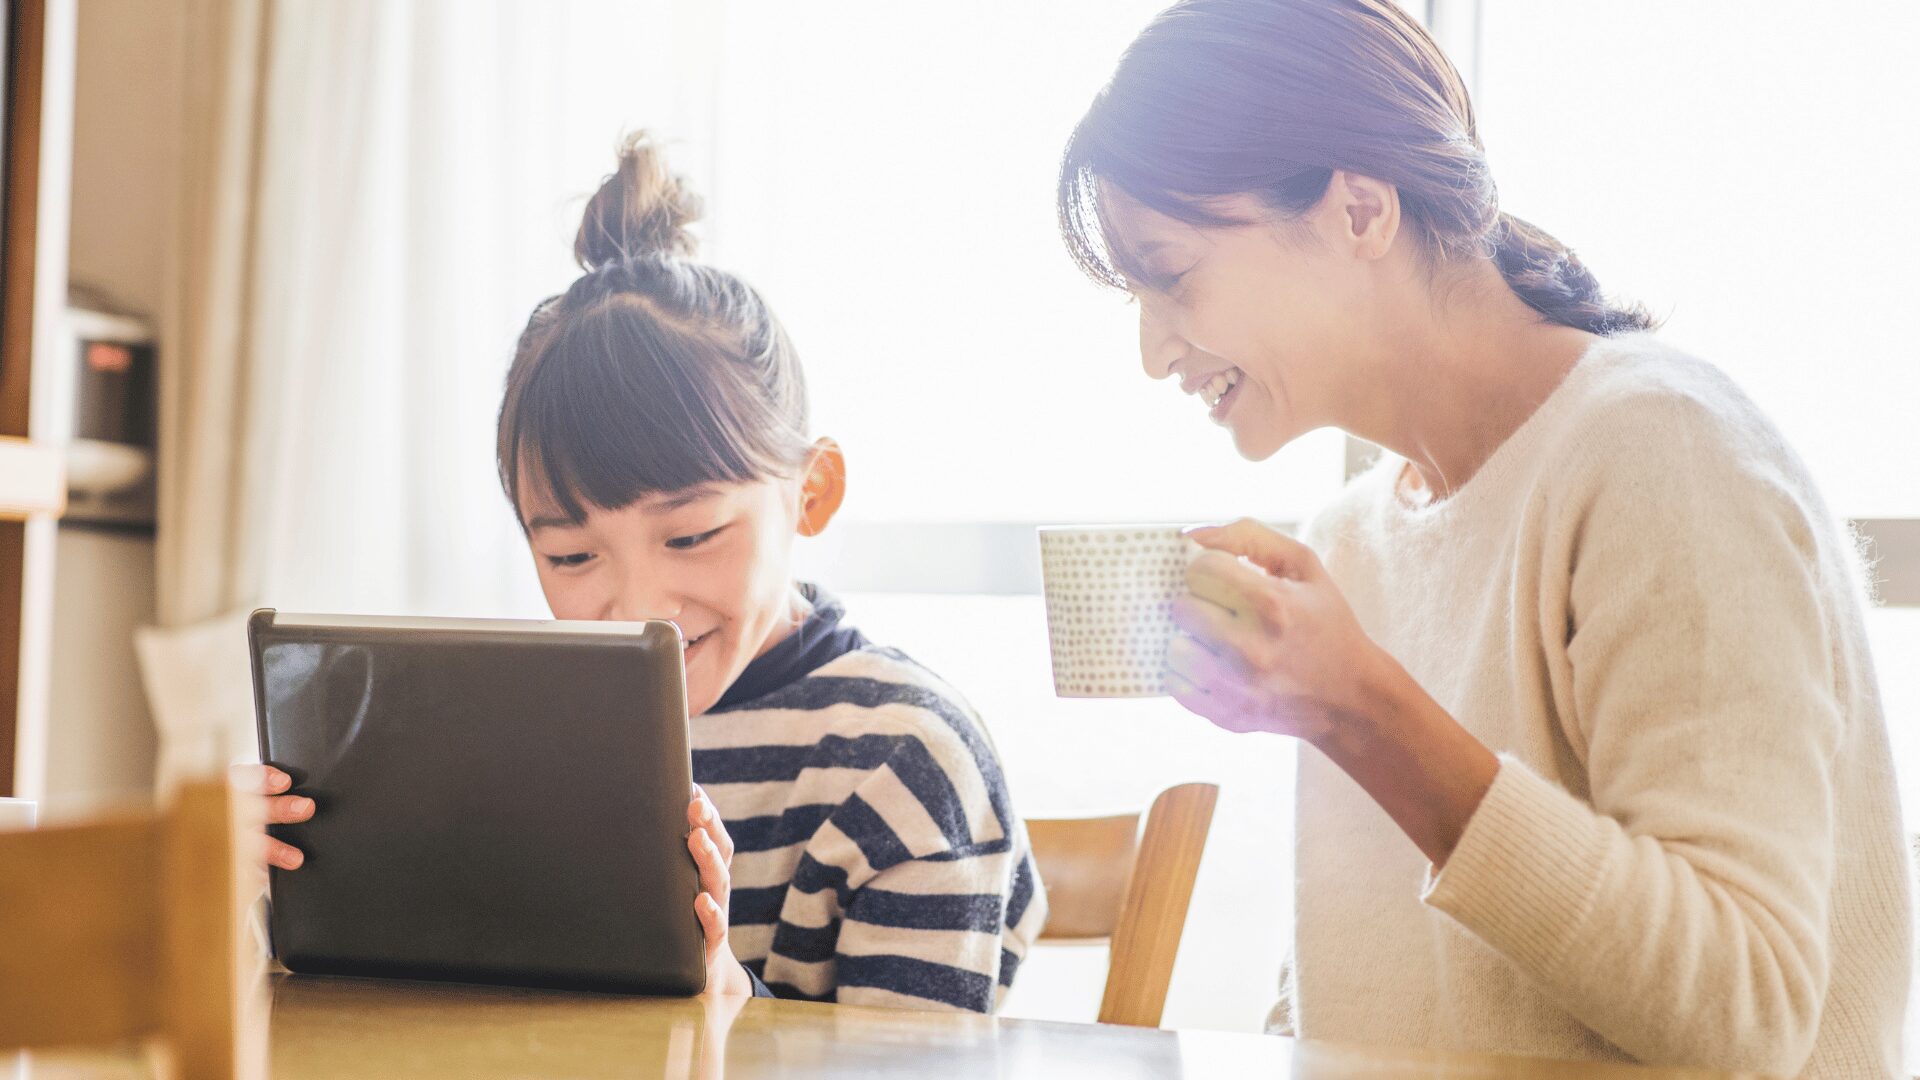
(1595, 763)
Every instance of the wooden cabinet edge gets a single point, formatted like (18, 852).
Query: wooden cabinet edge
(32, 480)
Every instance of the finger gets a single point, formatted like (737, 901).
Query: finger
(715, 878)
(1203, 667)
(713, 924)
(284, 855)
(289, 809)
(1213, 628)
(257, 779)
(1265, 547)
(716, 828)
(1243, 591)
(1223, 708)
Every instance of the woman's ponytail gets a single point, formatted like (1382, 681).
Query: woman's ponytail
(1269, 97)
(1553, 281)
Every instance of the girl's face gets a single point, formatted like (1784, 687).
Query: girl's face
(716, 560)
(1258, 320)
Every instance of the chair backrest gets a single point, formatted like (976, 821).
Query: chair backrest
(130, 927)
(1109, 879)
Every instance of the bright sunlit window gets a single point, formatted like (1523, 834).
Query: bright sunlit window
(885, 173)
(1714, 160)
(1742, 191)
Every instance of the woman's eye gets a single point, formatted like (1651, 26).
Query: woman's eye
(682, 543)
(576, 559)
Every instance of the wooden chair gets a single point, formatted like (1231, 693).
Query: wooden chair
(1107, 879)
(129, 927)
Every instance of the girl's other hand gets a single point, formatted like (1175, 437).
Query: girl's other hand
(713, 853)
(282, 808)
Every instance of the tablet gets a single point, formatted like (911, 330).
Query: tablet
(497, 801)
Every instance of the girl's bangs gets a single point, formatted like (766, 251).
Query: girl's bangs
(611, 412)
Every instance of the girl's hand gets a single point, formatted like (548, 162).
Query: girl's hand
(1270, 646)
(713, 853)
(282, 809)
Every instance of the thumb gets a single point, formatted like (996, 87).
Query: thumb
(1265, 547)
(713, 923)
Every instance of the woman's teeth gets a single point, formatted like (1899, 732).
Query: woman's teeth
(1216, 388)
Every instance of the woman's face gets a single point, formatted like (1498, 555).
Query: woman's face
(1256, 320)
(716, 560)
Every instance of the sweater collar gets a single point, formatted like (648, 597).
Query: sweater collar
(818, 640)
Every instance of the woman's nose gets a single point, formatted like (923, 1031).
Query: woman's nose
(1159, 347)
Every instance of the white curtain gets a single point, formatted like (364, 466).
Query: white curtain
(377, 194)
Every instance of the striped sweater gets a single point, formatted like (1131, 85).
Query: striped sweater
(877, 856)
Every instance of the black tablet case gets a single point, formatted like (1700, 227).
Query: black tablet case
(495, 803)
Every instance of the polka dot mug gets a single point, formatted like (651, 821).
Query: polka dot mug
(1108, 590)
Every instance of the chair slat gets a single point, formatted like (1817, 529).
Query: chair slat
(1084, 863)
(1154, 915)
(129, 927)
(1109, 881)
(79, 934)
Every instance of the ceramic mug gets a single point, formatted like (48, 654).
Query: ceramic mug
(1109, 591)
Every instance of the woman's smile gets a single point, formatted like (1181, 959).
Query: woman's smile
(1218, 390)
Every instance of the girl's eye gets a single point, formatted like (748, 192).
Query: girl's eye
(576, 559)
(682, 543)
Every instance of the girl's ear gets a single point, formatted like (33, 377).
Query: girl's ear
(823, 488)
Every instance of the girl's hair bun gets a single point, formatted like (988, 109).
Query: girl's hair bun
(641, 209)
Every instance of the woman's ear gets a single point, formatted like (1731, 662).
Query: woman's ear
(823, 488)
(1365, 213)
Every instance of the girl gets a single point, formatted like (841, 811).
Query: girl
(653, 441)
(1595, 765)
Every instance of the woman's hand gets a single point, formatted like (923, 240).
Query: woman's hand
(1273, 646)
(282, 808)
(1270, 646)
(713, 853)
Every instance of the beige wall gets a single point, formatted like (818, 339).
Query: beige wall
(100, 740)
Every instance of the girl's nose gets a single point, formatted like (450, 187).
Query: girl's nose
(1159, 346)
(641, 603)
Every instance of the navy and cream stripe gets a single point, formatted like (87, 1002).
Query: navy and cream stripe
(877, 855)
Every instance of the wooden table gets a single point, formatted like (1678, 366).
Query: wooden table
(325, 1028)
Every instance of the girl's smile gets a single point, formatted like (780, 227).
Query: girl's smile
(714, 560)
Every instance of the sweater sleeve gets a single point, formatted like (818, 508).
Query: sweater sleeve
(935, 883)
(1679, 906)
(927, 930)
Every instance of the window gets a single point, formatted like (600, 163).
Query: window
(1744, 169)
(886, 176)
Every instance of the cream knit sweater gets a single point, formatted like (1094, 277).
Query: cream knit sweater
(1692, 853)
